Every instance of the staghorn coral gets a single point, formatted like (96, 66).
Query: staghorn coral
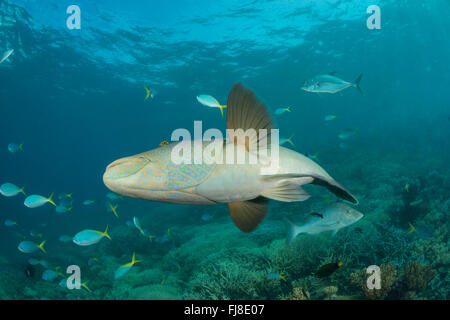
(298, 293)
(417, 276)
(329, 292)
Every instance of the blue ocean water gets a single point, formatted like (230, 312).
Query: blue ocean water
(75, 99)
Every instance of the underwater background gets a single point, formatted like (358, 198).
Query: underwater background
(75, 100)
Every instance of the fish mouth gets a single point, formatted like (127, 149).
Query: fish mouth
(119, 172)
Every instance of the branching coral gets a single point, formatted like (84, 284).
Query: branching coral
(388, 276)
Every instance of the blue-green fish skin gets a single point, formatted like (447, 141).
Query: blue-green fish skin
(328, 83)
(10, 223)
(333, 217)
(10, 190)
(65, 238)
(138, 226)
(62, 209)
(208, 100)
(33, 261)
(14, 147)
(89, 237)
(280, 111)
(29, 247)
(121, 271)
(35, 201)
(49, 275)
(347, 134)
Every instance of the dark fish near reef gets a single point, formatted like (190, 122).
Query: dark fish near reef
(246, 187)
(327, 269)
(29, 271)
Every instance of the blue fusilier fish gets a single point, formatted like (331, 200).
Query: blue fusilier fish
(10, 223)
(35, 201)
(65, 238)
(333, 218)
(90, 237)
(246, 187)
(113, 196)
(14, 147)
(282, 110)
(49, 275)
(62, 209)
(88, 202)
(30, 247)
(123, 270)
(276, 276)
(11, 190)
(138, 226)
(210, 101)
(329, 83)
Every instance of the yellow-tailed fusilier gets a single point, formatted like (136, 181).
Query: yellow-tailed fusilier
(245, 187)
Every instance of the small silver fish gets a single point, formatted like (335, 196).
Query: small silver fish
(6, 55)
(333, 218)
(328, 83)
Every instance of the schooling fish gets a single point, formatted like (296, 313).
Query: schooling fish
(327, 269)
(328, 83)
(10, 223)
(423, 232)
(210, 101)
(276, 276)
(11, 190)
(35, 201)
(112, 209)
(246, 188)
(288, 140)
(65, 238)
(149, 93)
(333, 218)
(14, 147)
(90, 237)
(282, 110)
(88, 202)
(123, 270)
(348, 133)
(330, 117)
(137, 224)
(63, 209)
(6, 55)
(49, 275)
(30, 247)
(113, 196)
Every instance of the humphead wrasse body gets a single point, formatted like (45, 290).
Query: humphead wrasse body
(246, 187)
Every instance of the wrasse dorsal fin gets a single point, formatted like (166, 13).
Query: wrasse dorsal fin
(247, 215)
(245, 111)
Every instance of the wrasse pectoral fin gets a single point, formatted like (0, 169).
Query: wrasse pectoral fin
(247, 215)
(245, 111)
(287, 192)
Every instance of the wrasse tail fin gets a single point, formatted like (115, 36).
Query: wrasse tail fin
(247, 215)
